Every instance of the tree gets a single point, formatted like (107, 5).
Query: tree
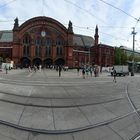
(130, 58)
(120, 57)
(124, 57)
(137, 58)
(117, 54)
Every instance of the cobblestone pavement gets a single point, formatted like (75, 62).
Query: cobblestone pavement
(43, 106)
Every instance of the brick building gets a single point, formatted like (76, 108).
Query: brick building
(45, 41)
(103, 53)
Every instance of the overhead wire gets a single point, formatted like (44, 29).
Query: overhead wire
(7, 3)
(119, 10)
(137, 19)
(84, 10)
(99, 19)
(87, 28)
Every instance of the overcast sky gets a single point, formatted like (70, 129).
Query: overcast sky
(115, 26)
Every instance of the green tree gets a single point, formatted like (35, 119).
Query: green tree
(120, 57)
(123, 57)
(137, 58)
(130, 58)
(117, 54)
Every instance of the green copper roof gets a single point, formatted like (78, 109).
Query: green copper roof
(6, 36)
(81, 40)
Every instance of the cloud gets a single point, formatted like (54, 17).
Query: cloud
(115, 27)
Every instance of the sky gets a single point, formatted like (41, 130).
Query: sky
(115, 18)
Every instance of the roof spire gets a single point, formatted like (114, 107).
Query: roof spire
(70, 28)
(96, 36)
(16, 25)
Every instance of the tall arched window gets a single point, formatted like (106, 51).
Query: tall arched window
(26, 45)
(38, 47)
(59, 47)
(48, 44)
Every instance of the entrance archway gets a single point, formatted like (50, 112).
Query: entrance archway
(48, 62)
(59, 61)
(37, 61)
(25, 62)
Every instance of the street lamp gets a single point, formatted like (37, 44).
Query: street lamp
(133, 33)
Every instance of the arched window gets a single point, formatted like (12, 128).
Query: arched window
(59, 47)
(48, 44)
(26, 45)
(38, 44)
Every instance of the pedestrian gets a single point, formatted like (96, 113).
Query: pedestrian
(95, 72)
(6, 68)
(83, 73)
(59, 69)
(78, 70)
(90, 71)
(29, 68)
(35, 68)
(40, 68)
(87, 71)
(114, 75)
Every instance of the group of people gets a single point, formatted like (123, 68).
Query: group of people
(35, 68)
(86, 70)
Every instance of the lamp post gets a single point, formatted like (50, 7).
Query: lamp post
(133, 33)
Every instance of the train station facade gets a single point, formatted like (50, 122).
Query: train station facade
(45, 41)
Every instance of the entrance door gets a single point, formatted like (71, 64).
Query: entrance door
(59, 61)
(37, 62)
(48, 62)
(25, 62)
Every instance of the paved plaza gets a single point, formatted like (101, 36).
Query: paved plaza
(43, 106)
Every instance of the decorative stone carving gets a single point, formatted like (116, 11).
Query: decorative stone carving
(16, 25)
(70, 28)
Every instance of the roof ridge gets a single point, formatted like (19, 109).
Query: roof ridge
(6, 31)
(83, 35)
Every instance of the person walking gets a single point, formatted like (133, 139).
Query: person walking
(29, 68)
(59, 69)
(6, 68)
(83, 73)
(78, 69)
(114, 75)
(91, 71)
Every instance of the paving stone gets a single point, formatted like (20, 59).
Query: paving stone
(99, 133)
(126, 127)
(10, 112)
(38, 118)
(69, 118)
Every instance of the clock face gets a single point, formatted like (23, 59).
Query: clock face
(43, 33)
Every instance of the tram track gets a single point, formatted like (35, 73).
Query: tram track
(92, 126)
(53, 84)
(44, 131)
(56, 106)
(137, 136)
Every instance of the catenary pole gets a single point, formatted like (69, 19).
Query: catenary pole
(133, 33)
